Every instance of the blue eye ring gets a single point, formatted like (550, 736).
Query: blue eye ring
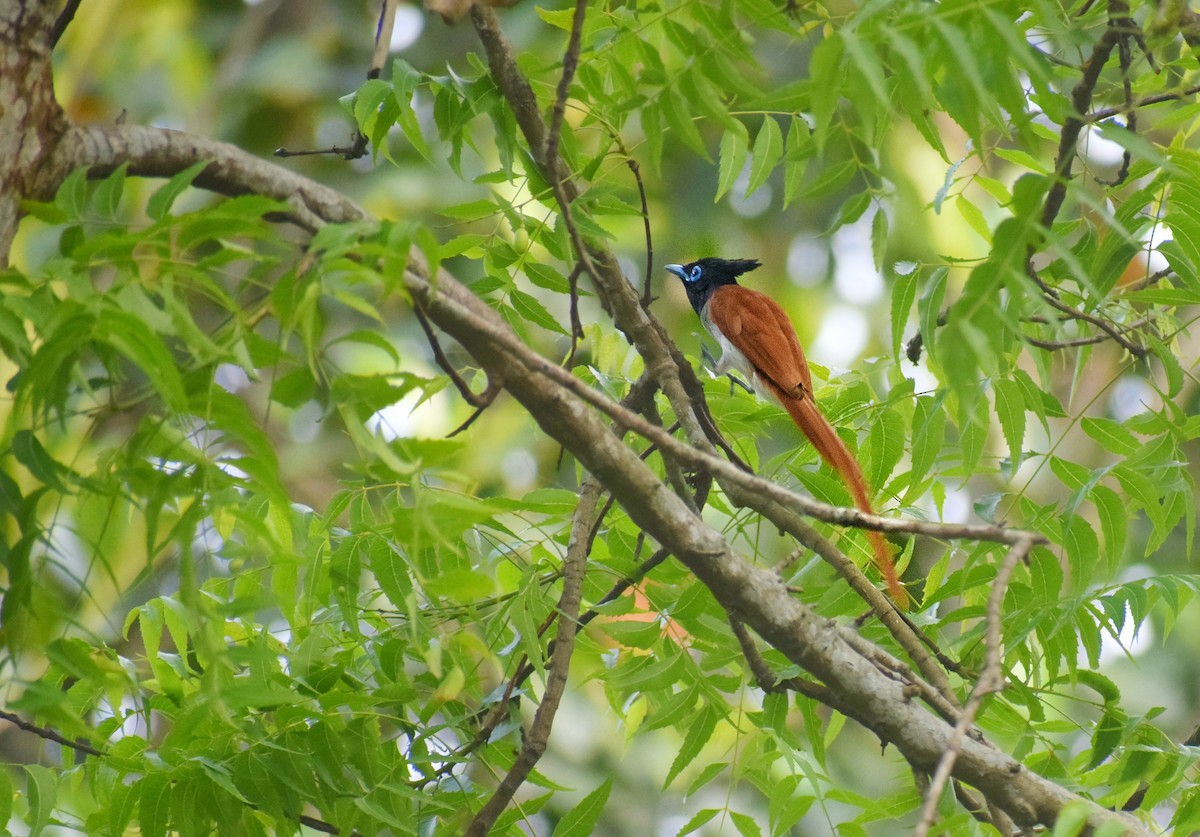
(695, 274)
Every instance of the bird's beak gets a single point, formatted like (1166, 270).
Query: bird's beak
(677, 269)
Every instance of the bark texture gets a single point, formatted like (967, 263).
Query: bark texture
(31, 121)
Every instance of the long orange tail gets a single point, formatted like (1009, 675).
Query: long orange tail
(833, 450)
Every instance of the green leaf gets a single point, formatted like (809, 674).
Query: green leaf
(154, 804)
(1170, 365)
(974, 218)
(914, 61)
(868, 64)
(388, 567)
(681, 121)
(904, 293)
(41, 790)
(71, 199)
(375, 111)
(699, 731)
(746, 824)
(706, 775)
(879, 238)
(851, 209)
(732, 158)
(131, 336)
(561, 18)
(826, 72)
(1082, 548)
(1107, 735)
(1111, 435)
(532, 311)
(1102, 685)
(546, 277)
(405, 80)
(1010, 409)
(701, 817)
(1143, 490)
(461, 585)
(1113, 523)
(160, 203)
(928, 435)
(471, 211)
(831, 180)
(885, 443)
(768, 149)
(107, 197)
(929, 309)
(800, 148)
(29, 452)
(581, 820)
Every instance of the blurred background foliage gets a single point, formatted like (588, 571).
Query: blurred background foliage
(243, 555)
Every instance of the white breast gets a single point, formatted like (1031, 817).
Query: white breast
(731, 360)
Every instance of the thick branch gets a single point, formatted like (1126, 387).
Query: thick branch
(567, 410)
(755, 595)
(159, 152)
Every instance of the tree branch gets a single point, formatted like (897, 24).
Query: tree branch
(990, 681)
(565, 408)
(556, 671)
(668, 367)
(160, 152)
(49, 734)
(875, 699)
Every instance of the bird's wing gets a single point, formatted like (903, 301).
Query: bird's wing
(759, 329)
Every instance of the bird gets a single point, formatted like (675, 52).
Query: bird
(758, 340)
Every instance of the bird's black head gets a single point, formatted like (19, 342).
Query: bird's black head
(703, 276)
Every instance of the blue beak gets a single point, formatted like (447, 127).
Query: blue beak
(677, 269)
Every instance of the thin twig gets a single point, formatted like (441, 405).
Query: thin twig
(88, 749)
(766, 679)
(1120, 28)
(1108, 328)
(991, 680)
(536, 737)
(570, 65)
(1142, 284)
(383, 37)
(480, 401)
(63, 21)
(1156, 99)
(1055, 345)
(359, 142)
(637, 176)
(1125, 57)
(576, 325)
(49, 734)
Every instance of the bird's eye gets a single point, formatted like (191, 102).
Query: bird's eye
(695, 274)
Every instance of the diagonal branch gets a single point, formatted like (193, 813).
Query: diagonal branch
(480, 401)
(571, 413)
(876, 698)
(1120, 28)
(990, 681)
(556, 671)
(49, 734)
(663, 360)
